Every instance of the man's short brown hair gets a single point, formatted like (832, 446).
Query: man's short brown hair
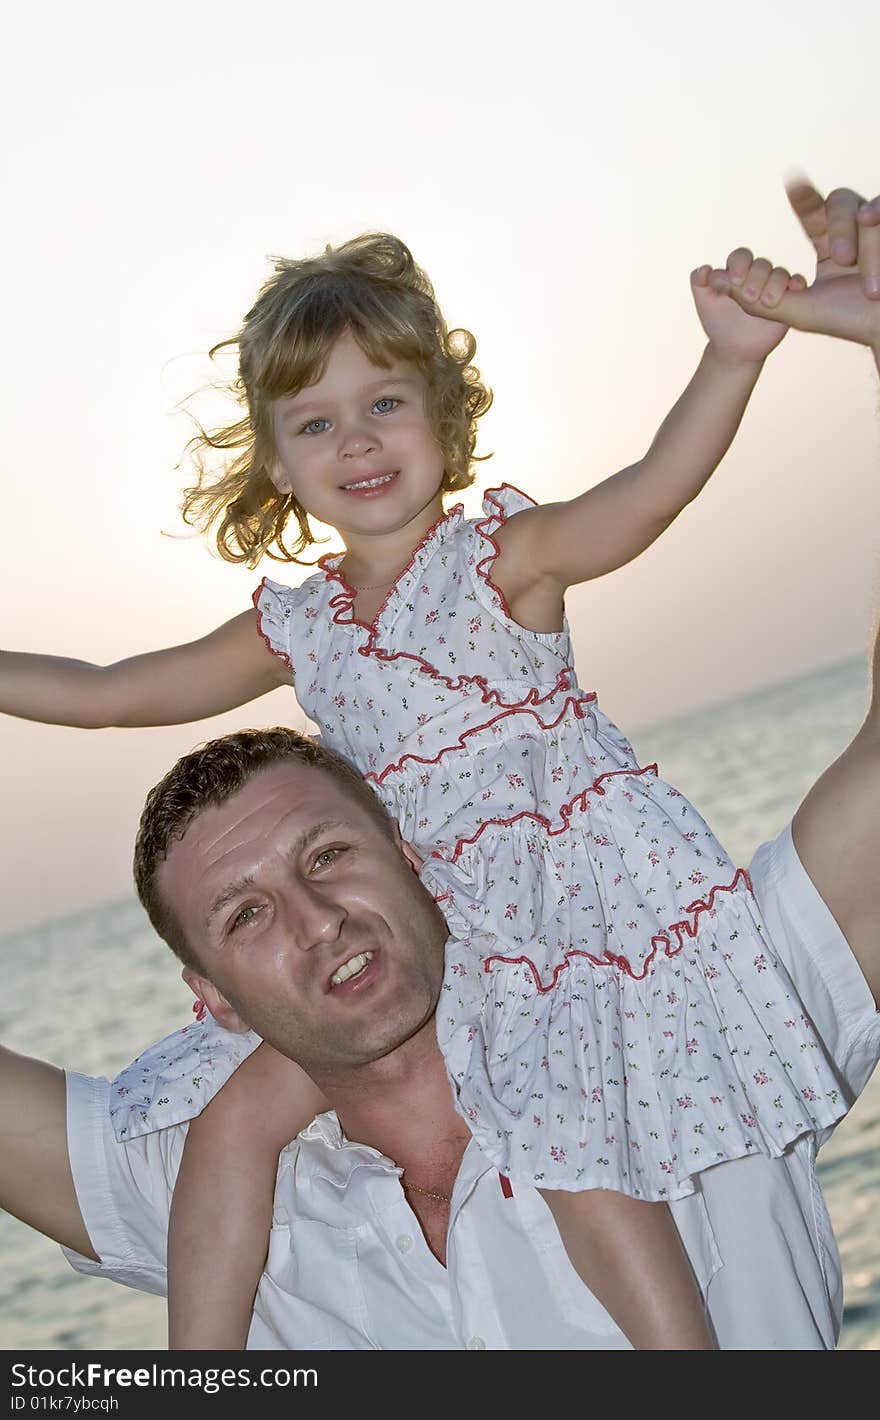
(206, 778)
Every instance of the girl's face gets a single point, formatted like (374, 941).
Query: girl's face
(356, 449)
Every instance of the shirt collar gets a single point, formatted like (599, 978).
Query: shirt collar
(334, 1175)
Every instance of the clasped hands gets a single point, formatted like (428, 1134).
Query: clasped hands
(843, 300)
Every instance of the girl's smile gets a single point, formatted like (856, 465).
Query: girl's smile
(372, 487)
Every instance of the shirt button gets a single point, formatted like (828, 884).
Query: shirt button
(476, 1343)
(403, 1243)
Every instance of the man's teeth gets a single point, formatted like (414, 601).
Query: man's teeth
(352, 967)
(371, 482)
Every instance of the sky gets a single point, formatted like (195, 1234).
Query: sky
(558, 169)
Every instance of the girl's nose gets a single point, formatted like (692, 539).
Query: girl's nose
(357, 443)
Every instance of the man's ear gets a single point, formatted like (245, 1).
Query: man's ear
(414, 859)
(205, 990)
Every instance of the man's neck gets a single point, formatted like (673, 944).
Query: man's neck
(402, 1106)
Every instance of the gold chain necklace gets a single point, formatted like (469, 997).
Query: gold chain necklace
(426, 1192)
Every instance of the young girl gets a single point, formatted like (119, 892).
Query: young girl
(613, 1018)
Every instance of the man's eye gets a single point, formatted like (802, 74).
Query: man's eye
(385, 404)
(326, 857)
(311, 429)
(243, 918)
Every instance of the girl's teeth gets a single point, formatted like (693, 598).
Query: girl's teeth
(349, 968)
(372, 482)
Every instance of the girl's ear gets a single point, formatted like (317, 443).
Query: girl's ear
(279, 476)
(205, 990)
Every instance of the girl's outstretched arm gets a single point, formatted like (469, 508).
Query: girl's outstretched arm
(544, 550)
(221, 1212)
(227, 668)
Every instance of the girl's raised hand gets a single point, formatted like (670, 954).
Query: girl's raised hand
(844, 297)
(737, 335)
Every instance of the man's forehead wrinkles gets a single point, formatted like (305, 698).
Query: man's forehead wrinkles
(247, 816)
(250, 822)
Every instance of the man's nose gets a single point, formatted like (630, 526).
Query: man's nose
(312, 917)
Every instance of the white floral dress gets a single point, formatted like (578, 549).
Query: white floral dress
(612, 1013)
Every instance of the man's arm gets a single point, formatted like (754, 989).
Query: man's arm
(836, 830)
(36, 1184)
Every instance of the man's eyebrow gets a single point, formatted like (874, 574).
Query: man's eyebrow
(306, 839)
(241, 885)
(228, 895)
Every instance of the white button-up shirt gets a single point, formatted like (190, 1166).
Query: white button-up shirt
(349, 1268)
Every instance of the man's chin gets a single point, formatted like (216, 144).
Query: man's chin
(344, 1057)
(383, 1021)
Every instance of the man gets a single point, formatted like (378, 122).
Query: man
(269, 828)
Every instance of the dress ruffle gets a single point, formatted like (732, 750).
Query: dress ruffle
(173, 1080)
(630, 1091)
(342, 602)
(275, 606)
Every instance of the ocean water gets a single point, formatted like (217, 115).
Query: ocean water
(90, 991)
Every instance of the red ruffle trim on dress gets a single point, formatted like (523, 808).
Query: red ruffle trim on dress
(577, 704)
(578, 802)
(282, 655)
(681, 931)
(343, 615)
(349, 592)
(486, 562)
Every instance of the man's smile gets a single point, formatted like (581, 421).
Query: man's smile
(352, 971)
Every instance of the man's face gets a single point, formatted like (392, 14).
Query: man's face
(308, 919)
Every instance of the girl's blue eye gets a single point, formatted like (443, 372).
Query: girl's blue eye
(310, 427)
(388, 402)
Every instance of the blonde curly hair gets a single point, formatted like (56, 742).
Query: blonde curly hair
(371, 287)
